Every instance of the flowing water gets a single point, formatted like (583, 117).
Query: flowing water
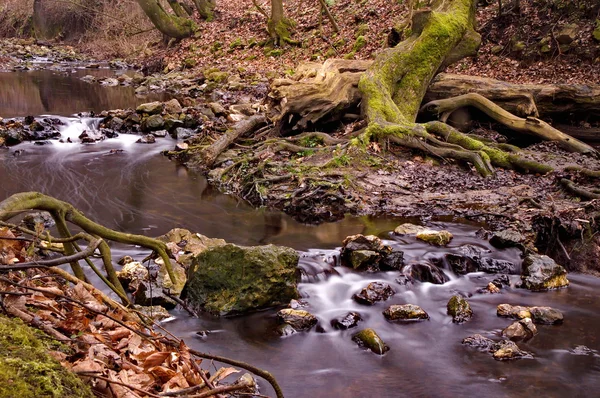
(139, 191)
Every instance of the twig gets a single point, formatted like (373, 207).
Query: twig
(180, 302)
(108, 380)
(220, 390)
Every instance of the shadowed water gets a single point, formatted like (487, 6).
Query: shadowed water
(140, 191)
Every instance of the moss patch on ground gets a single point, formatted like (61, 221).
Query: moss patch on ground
(26, 368)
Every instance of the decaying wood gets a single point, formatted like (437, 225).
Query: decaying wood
(243, 127)
(539, 100)
(320, 93)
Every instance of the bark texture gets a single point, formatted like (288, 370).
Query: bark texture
(170, 25)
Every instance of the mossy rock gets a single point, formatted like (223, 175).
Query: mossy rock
(231, 279)
(26, 369)
(459, 308)
(368, 338)
(540, 273)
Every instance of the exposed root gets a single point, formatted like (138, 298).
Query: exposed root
(578, 191)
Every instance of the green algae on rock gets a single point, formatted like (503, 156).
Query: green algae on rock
(540, 273)
(231, 279)
(459, 309)
(368, 338)
(26, 368)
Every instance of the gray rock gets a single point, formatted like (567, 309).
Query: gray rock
(285, 330)
(424, 272)
(88, 137)
(348, 321)
(507, 350)
(152, 123)
(231, 279)
(540, 272)
(480, 342)
(298, 319)
(160, 133)
(513, 311)
(173, 106)
(405, 312)
(507, 238)
(546, 315)
(147, 139)
(369, 339)
(460, 310)
(373, 293)
(39, 217)
(182, 133)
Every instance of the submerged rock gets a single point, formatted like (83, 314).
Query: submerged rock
(460, 310)
(480, 342)
(405, 312)
(507, 349)
(373, 293)
(540, 272)
(424, 272)
(348, 321)
(520, 330)
(298, 319)
(231, 279)
(368, 338)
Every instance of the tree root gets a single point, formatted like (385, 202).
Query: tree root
(578, 191)
(63, 212)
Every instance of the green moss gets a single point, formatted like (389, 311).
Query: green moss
(275, 53)
(596, 33)
(362, 30)
(26, 369)
(237, 43)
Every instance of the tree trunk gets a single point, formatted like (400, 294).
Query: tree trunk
(177, 8)
(169, 25)
(206, 8)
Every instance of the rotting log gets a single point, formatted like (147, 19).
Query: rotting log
(539, 100)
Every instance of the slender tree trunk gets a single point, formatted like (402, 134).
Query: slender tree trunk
(178, 9)
(169, 25)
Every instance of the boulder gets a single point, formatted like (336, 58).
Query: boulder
(373, 293)
(480, 342)
(460, 310)
(185, 245)
(151, 108)
(520, 330)
(369, 339)
(540, 273)
(298, 319)
(173, 106)
(425, 272)
(507, 349)
(152, 123)
(348, 321)
(405, 312)
(367, 252)
(507, 238)
(546, 315)
(231, 279)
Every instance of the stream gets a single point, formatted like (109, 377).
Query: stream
(139, 191)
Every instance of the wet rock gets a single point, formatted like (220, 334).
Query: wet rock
(546, 315)
(471, 259)
(39, 217)
(36, 126)
(369, 253)
(173, 106)
(297, 304)
(285, 330)
(151, 108)
(369, 339)
(361, 242)
(431, 236)
(424, 272)
(480, 342)
(507, 238)
(12, 136)
(404, 280)
(523, 329)
(405, 312)
(540, 272)
(460, 310)
(184, 245)
(147, 139)
(373, 293)
(362, 259)
(115, 124)
(513, 311)
(125, 260)
(348, 321)
(506, 350)
(154, 312)
(490, 288)
(171, 124)
(152, 123)
(494, 266)
(393, 261)
(298, 319)
(231, 279)
(110, 82)
(182, 133)
(132, 274)
(160, 133)
(501, 281)
(88, 137)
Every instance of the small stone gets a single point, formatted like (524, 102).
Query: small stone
(491, 288)
(348, 321)
(437, 238)
(298, 319)
(368, 338)
(480, 342)
(513, 311)
(155, 312)
(507, 349)
(520, 330)
(132, 274)
(285, 330)
(374, 292)
(460, 310)
(404, 280)
(405, 312)
(147, 139)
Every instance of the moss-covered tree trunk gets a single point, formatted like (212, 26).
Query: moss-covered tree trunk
(170, 25)
(278, 24)
(206, 8)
